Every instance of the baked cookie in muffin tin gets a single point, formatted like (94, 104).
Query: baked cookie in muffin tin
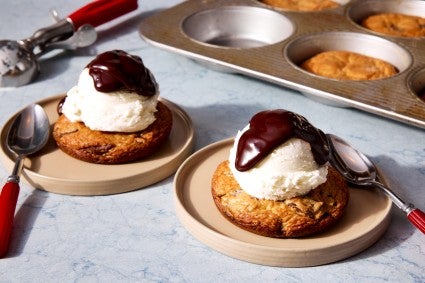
(270, 43)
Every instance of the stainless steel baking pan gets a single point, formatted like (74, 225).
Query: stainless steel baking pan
(254, 39)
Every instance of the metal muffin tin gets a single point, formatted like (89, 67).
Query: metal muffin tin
(254, 39)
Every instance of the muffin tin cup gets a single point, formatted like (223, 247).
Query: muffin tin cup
(254, 39)
(363, 9)
(232, 26)
(417, 82)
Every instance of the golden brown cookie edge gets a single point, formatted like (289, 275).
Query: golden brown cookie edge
(160, 130)
(272, 228)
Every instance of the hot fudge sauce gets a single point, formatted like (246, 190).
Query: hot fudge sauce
(116, 70)
(268, 129)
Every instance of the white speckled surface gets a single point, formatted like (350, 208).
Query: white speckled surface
(136, 236)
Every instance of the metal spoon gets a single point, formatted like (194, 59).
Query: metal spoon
(18, 59)
(360, 170)
(28, 133)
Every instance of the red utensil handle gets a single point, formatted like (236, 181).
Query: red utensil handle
(101, 11)
(417, 217)
(8, 199)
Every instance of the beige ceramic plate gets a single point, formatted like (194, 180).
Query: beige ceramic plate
(54, 171)
(366, 219)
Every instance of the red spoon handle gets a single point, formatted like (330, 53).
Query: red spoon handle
(417, 217)
(8, 199)
(101, 11)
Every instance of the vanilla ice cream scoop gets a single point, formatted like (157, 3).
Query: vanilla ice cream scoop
(279, 155)
(115, 93)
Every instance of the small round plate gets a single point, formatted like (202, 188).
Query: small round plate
(365, 220)
(54, 171)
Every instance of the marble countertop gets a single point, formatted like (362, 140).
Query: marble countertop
(137, 236)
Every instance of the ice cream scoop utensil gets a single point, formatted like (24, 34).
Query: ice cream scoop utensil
(360, 170)
(18, 59)
(28, 133)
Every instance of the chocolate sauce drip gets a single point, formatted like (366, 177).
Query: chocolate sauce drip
(59, 106)
(422, 94)
(269, 129)
(118, 70)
